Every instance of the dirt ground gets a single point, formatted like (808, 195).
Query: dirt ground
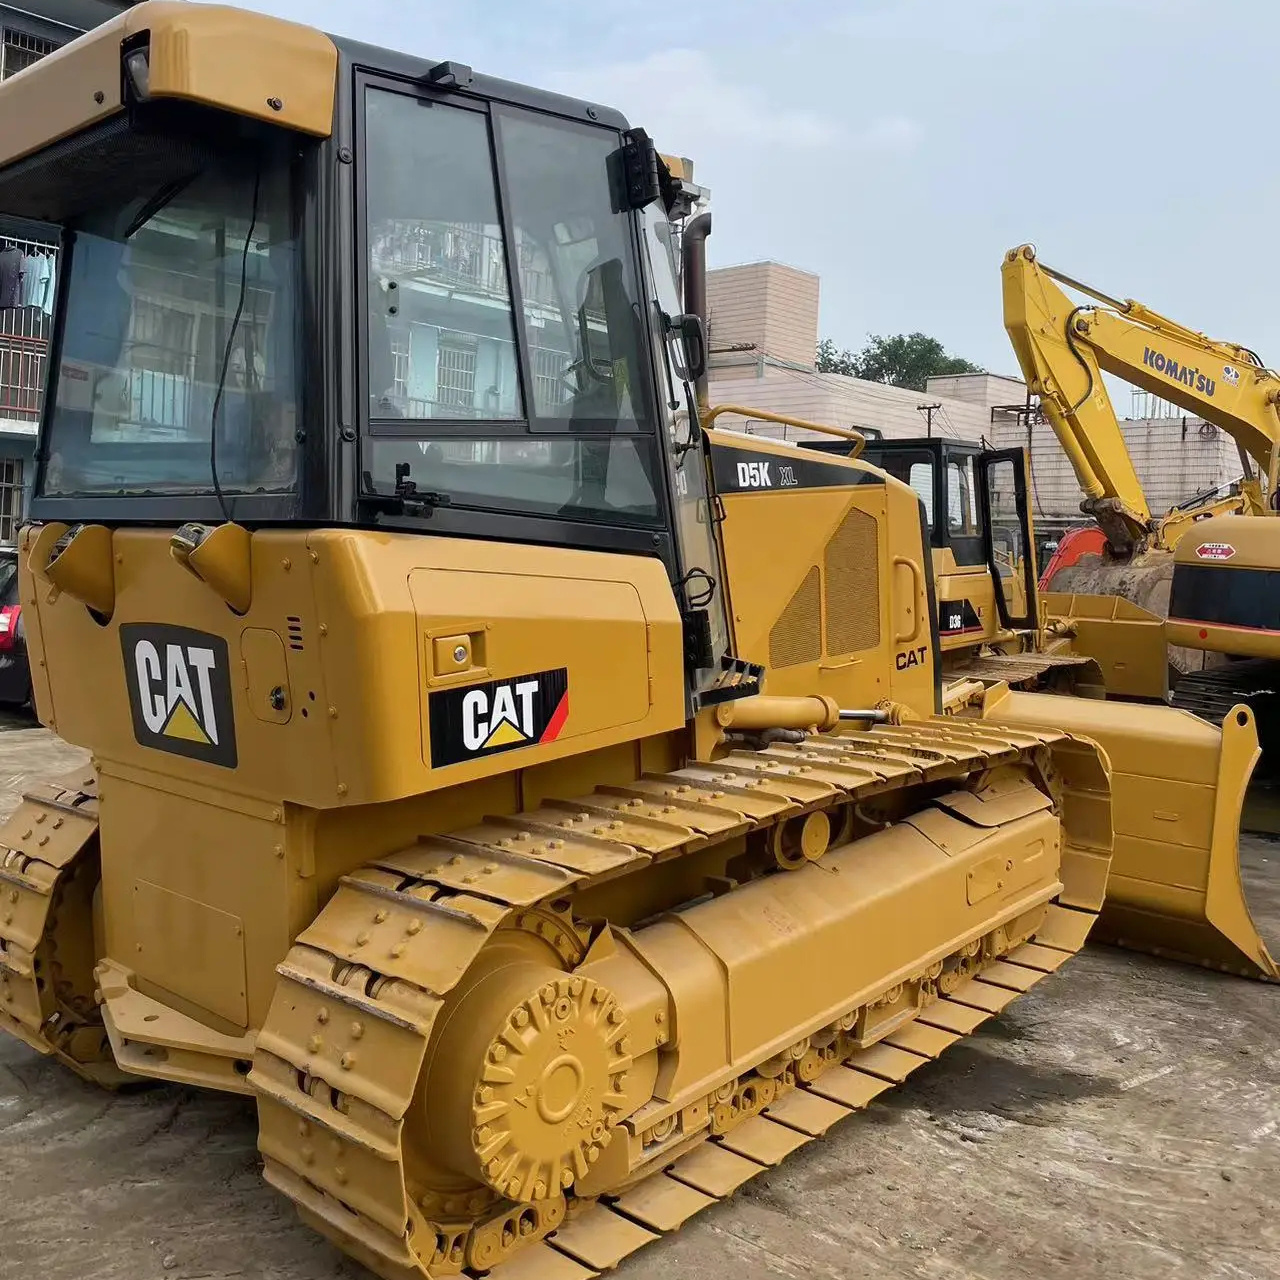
(1122, 1120)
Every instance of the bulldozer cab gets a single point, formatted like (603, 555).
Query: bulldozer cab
(297, 325)
(979, 524)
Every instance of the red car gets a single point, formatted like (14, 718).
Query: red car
(15, 674)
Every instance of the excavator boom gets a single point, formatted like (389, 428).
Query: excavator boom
(1064, 347)
(1064, 372)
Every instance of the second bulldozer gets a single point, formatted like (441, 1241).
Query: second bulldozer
(1179, 781)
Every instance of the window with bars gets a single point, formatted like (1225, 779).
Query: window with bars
(24, 341)
(19, 50)
(549, 368)
(456, 375)
(10, 498)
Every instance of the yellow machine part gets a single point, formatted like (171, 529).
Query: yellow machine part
(445, 1079)
(1226, 574)
(1178, 788)
(616, 978)
(210, 54)
(1128, 643)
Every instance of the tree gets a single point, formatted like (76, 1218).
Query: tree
(903, 360)
(832, 361)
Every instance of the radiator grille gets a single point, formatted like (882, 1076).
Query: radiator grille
(797, 635)
(853, 586)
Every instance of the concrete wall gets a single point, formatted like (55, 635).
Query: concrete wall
(769, 307)
(987, 389)
(1175, 459)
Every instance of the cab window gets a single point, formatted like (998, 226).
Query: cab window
(505, 359)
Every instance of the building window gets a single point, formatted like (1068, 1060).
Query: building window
(10, 498)
(20, 50)
(400, 356)
(549, 369)
(456, 376)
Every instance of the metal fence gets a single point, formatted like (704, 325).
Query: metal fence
(24, 345)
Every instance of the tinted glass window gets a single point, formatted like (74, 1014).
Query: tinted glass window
(1006, 525)
(441, 333)
(449, 398)
(581, 306)
(912, 466)
(181, 307)
(962, 518)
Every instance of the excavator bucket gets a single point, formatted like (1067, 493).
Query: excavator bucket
(1178, 789)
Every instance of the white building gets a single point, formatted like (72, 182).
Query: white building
(763, 334)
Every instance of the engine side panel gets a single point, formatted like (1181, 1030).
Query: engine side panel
(827, 573)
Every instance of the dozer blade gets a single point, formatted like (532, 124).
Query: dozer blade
(1178, 788)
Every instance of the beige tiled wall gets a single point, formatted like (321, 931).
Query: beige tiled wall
(1175, 459)
(765, 305)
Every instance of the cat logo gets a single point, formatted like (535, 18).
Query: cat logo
(180, 691)
(483, 719)
(908, 658)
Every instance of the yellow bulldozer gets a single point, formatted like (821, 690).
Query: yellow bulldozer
(1179, 779)
(476, 783)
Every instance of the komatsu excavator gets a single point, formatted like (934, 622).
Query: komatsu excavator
(1211, 566)
(477, 785)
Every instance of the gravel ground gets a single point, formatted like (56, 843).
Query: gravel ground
(1121, 1119)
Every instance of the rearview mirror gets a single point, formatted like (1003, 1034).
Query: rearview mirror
(692, 345)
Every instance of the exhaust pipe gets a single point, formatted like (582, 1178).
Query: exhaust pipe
(693, 252)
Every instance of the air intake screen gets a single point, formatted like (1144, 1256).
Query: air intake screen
(853, 586)
(797, 635)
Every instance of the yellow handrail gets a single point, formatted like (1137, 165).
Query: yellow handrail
(845, 433)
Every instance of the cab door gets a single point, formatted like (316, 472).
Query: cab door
(1007, 536)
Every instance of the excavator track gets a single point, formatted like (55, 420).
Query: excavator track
(1213, 693)
(563, 1173)
(48, 874)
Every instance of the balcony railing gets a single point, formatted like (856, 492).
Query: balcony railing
(461, 257)
(24, 348)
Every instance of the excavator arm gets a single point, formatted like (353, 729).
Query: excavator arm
(1064, 347)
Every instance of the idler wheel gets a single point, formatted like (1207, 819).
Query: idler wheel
(528, 1080)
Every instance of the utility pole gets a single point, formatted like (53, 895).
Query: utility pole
(928, 410)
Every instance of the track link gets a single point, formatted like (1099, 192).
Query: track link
(1212, 693)
(1028, 670)
(340, 1060)
(48, 873)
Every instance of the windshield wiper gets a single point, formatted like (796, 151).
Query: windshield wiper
(158, 202)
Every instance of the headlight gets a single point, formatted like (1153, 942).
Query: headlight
(137, 65)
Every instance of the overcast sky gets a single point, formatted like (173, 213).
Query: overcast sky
(898, 147)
